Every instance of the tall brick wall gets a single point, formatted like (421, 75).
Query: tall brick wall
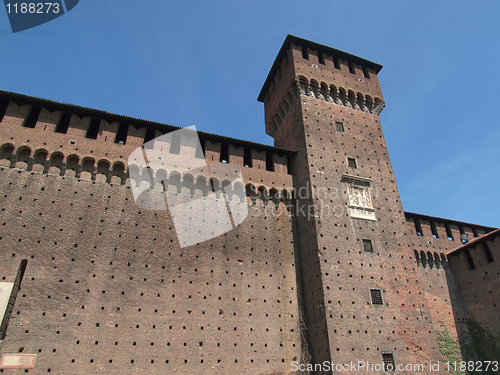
(432, 239)
(108, 289)
(476, 269)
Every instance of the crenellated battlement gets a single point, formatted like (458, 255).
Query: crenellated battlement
(322, 91)
(55, 138)
(435, 230)
(431, 260)
(310, 69)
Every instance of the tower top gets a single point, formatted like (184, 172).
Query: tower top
(291, 39)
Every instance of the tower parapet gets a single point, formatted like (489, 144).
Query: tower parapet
(306, 68)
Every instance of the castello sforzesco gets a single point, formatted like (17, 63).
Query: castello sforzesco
(305, 261)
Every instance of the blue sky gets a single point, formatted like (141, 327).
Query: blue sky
(203, 63)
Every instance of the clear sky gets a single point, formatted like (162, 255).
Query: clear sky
(203, 63)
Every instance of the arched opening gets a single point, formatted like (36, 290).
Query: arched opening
(314, 89)
(263, 196)
(444, 260)
(40, 157)
(303, 86)
(274, 196)
(369, 103)
(343, 96)
(437, 260)
(360, 101)
(251, 192)
(134, 175)
(352, 99)
(201, 184)
(378, 106)
(227, 189)
(285, 197)
(24, 154)
(423, 259)
(88, 165)
(103, 168)
(57, 160)
(72, 163)
(118, 171)
(188, 182)
(174, 181)
(334, 94)
(148, 175)
(239, 191)
(215, 187)
(161, 176)
(7, 151)
(324, 91)
(430, 259)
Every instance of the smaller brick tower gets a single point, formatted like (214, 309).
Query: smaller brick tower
(362, 295)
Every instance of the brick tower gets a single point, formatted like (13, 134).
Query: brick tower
(362, 295)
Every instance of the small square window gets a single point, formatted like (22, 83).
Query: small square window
(351, 162)
(376, 297)
(339, 126)
(388, 359)
(368, 246)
